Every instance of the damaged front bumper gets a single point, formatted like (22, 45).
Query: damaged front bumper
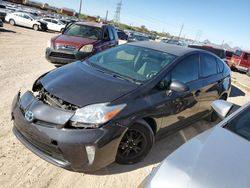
(43, 129)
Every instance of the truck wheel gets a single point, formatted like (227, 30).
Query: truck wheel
(12, 22)
(35, 27)
(135, 144)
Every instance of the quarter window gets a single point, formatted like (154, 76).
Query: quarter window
(208, 65)
(187, 70)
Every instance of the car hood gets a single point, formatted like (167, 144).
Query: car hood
(81, 84)
(216, 158)
(73, 41)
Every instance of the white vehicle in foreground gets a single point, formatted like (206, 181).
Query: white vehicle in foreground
(54, 24)
(217, 158)
(26, 20)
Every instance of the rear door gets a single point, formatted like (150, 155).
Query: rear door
(55, 26)
(245, 61)
(180, 108)
(211, 81)
(27, 21)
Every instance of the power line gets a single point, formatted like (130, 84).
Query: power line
(118, 12)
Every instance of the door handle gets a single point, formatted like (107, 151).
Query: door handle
(197, 93)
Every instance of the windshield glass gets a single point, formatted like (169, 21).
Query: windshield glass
(132, 62)
(238, 53)
(84, 31)
(241, 124)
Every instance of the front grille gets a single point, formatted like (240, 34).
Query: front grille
(65, 47)
(62, 55)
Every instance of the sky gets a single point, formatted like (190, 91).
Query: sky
(219, 21)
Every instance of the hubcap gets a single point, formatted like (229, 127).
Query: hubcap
(132, 143)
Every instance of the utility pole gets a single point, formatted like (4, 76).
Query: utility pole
(106, 18)
(80, 8)
(180, 31)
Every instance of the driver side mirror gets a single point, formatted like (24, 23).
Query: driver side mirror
(178, 86)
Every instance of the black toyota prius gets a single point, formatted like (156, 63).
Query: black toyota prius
(111, 106)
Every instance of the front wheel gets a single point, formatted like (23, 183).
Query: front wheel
(135, 144)
(36, 27)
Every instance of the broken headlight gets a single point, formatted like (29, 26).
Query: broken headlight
(95, 114)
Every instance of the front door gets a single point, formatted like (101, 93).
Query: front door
(179, 108)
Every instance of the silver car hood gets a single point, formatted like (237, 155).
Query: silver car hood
(216, 158)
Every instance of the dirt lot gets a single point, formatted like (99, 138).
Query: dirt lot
(21, 62)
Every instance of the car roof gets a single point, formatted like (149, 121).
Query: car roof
(164, 47)
(95, 24)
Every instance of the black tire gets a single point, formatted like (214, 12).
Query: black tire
(135, 144)
(12, 22)
(36, 27)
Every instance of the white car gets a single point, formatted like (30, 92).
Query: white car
(217, 158)
(26, 20)
(54, 24)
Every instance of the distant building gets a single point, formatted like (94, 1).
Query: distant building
(67, 11)
(33, 3)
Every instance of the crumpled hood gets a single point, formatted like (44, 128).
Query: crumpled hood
(81, 84)
(216, 158)
(77, 42)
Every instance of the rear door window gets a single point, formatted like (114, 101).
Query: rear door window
(208, 65)
(111, 35)
(187, 70)
(246, 56)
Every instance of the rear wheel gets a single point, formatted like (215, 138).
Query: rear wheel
(135, 144)
(36, 27)
(12, 22)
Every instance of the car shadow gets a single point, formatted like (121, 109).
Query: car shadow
(236, 92)
(6, 30)
(162, 148)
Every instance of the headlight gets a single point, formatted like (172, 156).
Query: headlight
(87, 48)
(95, 114)
(49, 44)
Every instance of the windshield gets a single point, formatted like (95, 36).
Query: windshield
(84, 31)
(132, 62)
(238, 53)
(241, 124)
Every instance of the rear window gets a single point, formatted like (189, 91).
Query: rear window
(238, 53)
(84, 31)
(208, 65)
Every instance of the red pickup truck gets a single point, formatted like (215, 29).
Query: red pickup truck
(240, 61)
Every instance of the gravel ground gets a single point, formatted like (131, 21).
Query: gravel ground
(22, 61)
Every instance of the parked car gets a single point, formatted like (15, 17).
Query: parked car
(135, 37)
(122, 35)
(80, 40)
(1, 23)
(240, 60)
(217, 51)
(2, 12)
(219, 157)
(26, 20)
(54, 24)
(85, 115)
(174, 41)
